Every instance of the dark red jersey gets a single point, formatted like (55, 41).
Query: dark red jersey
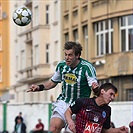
(90, 118)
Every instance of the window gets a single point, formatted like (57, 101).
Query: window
(130, 38)
(36, 55)
(0, 42)
(75, 13)
(126, 30)
(105, 81)
(75, 35)
(66, 18)
(129, 94)
(47, 14)
(85, 38)
(36, 15)
(0, 11)
(22, 59)
(104, 37)
(29, 55)
(84, 9)
(47, 53)
(66, 37)
(56, 56)
(0, 73)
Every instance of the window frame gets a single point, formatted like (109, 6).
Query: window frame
(101, 29)
(126, 27)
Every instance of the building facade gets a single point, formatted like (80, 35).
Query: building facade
(32, 53)
(105, 30)
(4, 47)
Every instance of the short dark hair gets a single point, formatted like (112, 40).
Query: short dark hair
(73, 45)
(20, 113)
(106, 87)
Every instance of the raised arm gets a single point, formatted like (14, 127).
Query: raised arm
(45, 86)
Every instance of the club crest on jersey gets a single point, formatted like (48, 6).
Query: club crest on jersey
(103, 114)
(70, 78)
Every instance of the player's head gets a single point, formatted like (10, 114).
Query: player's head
(107, 92)
(72, 52)
(77, 48)
(107, 86)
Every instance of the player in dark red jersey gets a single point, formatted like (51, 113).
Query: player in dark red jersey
(93, 114)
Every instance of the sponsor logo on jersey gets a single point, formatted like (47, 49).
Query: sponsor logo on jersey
(92, 128)
(70, 78)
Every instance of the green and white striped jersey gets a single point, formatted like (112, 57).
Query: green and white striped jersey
(75, 82)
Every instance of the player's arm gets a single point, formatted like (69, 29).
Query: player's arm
(91, 78)
(71, 124)
(45, 86)
(74, 108)
(121, 129)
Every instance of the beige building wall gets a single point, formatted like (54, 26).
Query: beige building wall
(97, 25)
(32, 53)
(4, 47)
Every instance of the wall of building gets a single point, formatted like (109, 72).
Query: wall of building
(4, 57)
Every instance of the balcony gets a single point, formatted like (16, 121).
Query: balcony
(28, 37)
(34, 73)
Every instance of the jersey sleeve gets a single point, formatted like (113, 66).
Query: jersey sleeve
(57, 76)
(76, 106)
(91, 74)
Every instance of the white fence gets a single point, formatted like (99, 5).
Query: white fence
(122, 114)
(30, 114)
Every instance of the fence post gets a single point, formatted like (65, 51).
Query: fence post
(4, 115)
(50, 113)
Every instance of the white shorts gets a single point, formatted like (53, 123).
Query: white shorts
(59, 108)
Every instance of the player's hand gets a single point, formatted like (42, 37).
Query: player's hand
(95, 88)
(33, 88)
(71, 126)
(131, 124)
(124, 129)
(95, 85)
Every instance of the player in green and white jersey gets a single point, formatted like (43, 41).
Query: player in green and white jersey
(78, 78)
(76, 82)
